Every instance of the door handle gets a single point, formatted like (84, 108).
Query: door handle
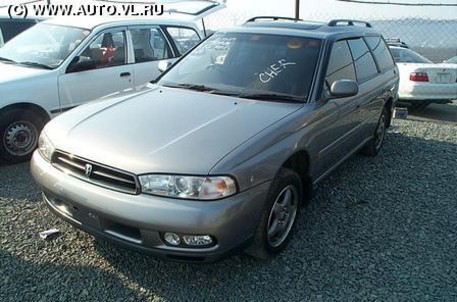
(125, 74)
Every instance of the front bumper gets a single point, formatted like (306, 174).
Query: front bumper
(137, 221)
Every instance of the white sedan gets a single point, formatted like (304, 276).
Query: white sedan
(64, 62)
(423, 82)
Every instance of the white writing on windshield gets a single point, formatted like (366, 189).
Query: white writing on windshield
(274, 70)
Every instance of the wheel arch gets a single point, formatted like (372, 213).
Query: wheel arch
(389, 108)
(299, 162)
(39, 111)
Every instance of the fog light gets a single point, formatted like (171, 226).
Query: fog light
(197, 240)
(172, 238)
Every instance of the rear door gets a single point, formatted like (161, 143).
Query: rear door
(372, 89)
(150, 45)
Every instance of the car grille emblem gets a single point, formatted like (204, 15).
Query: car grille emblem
(88, 170)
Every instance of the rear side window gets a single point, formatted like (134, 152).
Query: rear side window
(340, 65)
(365, 66)
(380, 52)
(149, 45)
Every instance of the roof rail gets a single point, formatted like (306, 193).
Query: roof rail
(348, 22)
(274, 18)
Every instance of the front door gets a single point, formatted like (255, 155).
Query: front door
(100, 69)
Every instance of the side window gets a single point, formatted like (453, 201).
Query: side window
(184, 38)
(108, 49)
(149, 45)
(340, 65)
(364, 63)
(380, 52)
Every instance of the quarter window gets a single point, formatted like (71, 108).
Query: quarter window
(364, 63)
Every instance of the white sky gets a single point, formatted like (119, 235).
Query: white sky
(338, 9)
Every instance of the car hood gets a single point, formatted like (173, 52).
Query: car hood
(11, 72)
(164, 130)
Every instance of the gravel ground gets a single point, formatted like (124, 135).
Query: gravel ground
(379, 229)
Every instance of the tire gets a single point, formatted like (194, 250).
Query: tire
(279, 215)
(374, 145)
(19, 132)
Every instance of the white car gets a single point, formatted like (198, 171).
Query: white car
(423, 82)
(64, 62)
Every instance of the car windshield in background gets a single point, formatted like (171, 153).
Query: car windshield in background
(43, 46)
(403, 55)
(249, 65)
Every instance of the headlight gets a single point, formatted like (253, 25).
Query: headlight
(45, 146)
(188, 187)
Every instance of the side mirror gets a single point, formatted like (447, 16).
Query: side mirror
(163, 65)
(77, 65)
(344, 89)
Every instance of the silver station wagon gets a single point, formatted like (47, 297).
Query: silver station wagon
(221, 152)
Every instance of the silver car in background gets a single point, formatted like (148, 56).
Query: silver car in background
(223, 150)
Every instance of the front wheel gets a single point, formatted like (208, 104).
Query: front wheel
(19, 131)
(279, 215)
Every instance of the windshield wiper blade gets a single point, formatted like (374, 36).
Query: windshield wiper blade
(273, 97)
(201, 88)
(6, 60)
(36, 64)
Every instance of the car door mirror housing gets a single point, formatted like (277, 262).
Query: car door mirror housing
(344, 89)
(163, 65)
(77, 65)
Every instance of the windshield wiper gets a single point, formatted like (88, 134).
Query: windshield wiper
(201, 88)
(6, 60)
(273, 97)
(36, 64)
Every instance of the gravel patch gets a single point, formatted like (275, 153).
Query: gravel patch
(382, 228)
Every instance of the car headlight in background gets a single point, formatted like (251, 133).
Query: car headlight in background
(45, 146)
(188, 187)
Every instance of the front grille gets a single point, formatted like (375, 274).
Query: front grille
(95, 173)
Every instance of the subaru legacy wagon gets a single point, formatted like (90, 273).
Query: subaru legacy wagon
(222, 151)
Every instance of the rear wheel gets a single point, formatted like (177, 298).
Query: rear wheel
(375, 144)
(279, 215)
(19, 131)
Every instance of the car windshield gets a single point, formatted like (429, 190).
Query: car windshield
(246, 64)
(403, 55)
(43, 45)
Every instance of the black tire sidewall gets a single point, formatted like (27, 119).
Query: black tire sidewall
(11, 116)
